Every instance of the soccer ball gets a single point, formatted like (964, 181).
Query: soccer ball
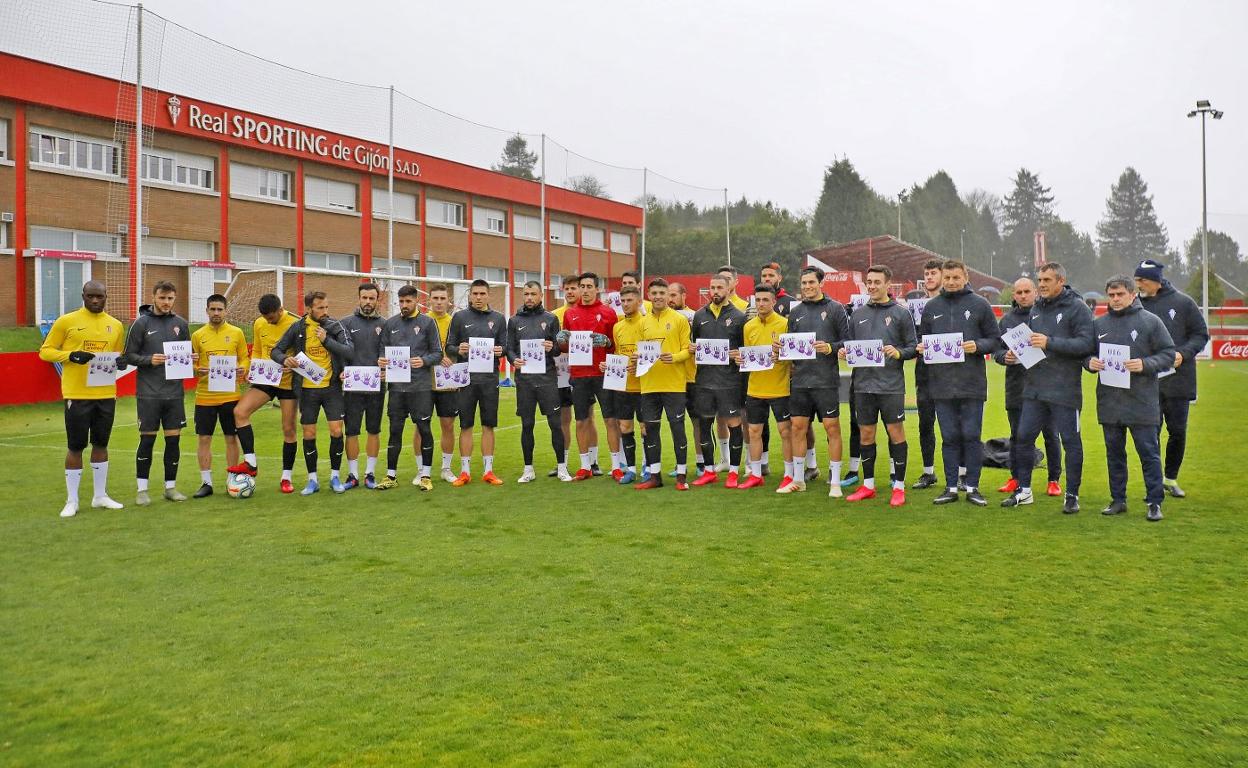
(241, 486)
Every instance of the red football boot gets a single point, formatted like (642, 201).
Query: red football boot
(863, 492)
(288, 487)
(707, 477)
(898, 498)
(1009, 487)
(242, 468)
(1054, 488)
(582, 474)
(731, 482)
(753, 481)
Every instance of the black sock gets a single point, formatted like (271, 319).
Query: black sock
(628, 441)
(706, 441)
(526, 440)
(426, 442)
(246, 439)
(288, 456)
(653, 443)
(335, 452)
(680, 440)
(556, 438)
(394, 448)
(736, 438)
(172, 456)
(855, 441)
(309, 454)
(143, 456)
(867, 455)
(898, 453)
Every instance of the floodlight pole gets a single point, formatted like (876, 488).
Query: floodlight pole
(1204, 108)
(727, 228)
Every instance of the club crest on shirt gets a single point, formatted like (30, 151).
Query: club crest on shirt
(888, 321)
(728, 321)
(543, 325)
(1172, 313)
(177, 330)
(1134, 334)
(967, 314)
(491, 324)
(377, 330)
(823, 315)
(1059, 317)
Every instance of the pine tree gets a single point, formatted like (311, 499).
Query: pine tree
(1129, 232)
(1027, 208)
(517, 160)
(848, 208)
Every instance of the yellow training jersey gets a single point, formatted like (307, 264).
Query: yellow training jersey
(82, 331)
(627, 333)
(443, 322)
(738, 302)
(757, 333)
(210, 341)
(317, 353)
(264, 337)
(671, 328)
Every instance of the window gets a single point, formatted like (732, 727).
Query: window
(445, 271)
(621, 242)
(443, 213)
(404, 205)
(325, 193)
(4, 235)
(402, 267)
(259, 255)
(58, 286)
(179, 169)
(190, 250)
(522, 276)
(489, 220)
(562, 232)
(72, 240)
(4, 139)
(72, 152)
(253, 181)
(593, 238)
(492, 274)
(343, 262)
(529, 227)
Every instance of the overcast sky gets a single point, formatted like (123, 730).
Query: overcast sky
(760, 97)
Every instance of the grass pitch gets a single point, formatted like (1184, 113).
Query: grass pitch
(591, 624)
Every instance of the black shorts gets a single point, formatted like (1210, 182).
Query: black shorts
(89, 421)
(416, 405)
(756, 409)
(483, 393)
(366, 407)
(313, 401)
(655, 404)
(625, 406)
(870, 407)
(565, 397)
(817, 404)
(585, 390)
(546, 399)
(207, 416)
(446, 403)
(156, 414)
(275, 392)
(718, 402)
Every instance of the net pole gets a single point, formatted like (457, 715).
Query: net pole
(542, 225)
(137, 178)
(645, 207)
(390, 194)
(727, 229)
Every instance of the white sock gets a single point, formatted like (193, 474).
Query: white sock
(834, 472)
(312, 477)
(250, 458)
(617, 459)
(756, 468)
(593, 455)
(392, 472)
(170, 484)
(205, 476)
(425, 470)
(528, 468)
(353, 467)
(899, 485)
(680, 469)
(465, 464)
(656, 470)
(142, 481)
(929, 470)
(99, 479)
(766, 458)
(799, 468)
(334, 473)
(788, 469)
(869, 482)
(854, 463)
(970, 489)
(1170, 481)
(723, 450)
(420, 466)
(563, 468)
(961, 472)
(1024, 491)
(951, 490)
(810, 457)
(488, 463)
(446, 460)
(370, 465)
(287, 474)
(586, 460)
(73, 477)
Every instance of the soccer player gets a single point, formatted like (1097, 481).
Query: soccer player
(718, 387)
(932, 279)
(268, 328)
(960, 389)
(414, 399)
(815, 385)
(445, 401)
(536, 389)
(571, 296)
(676, 299)
(74, 341)
(599, 319)
(1061, 325)
(214, 339)
(1152, 351)
(626, 405)
(734, 276)
(363, 327)
(768, 390)
(663, 387)
(159, 400)
(1024, 299)
(632, 279)
(880, 393)
(324, 341)
(477, 321)
(1182, 318)
(676, 295)
(771, 275)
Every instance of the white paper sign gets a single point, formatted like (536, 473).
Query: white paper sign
(398, 365)
(614, 301)
(534, 356)
(616, 377)
(363, 378)
(561, 371)
(580, 348)
(865, 353)
(647, 355)
(916, 307)
(858, 301)
(1018, 341)
(1167, 372)
(797, 346)
(712, 352)
(222, 373)
(480, 354)
(308, 369)
(450, 376)
(1115, 373)
(102, 370)
(758, 358)
(178, 360)
(264, 371)
(940, 348)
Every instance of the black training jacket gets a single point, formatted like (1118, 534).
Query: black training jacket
(529, 324)
(826, 318)
(295, 340)
(971, 315)
(729, 325)
(1067, 321)
(419, 333)
(147, 337)
(469, 323)
(1014, 377)
(1182, 318)
(893, 324)
(1149, 341)
(365, 334)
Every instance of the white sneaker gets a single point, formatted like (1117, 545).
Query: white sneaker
(70, 509)
(104, 502)
(797, 486)
(528, 477)
(565, 476)
(448, 475)
(834, 491)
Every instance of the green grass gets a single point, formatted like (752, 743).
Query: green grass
(588, 625)
(20, 339)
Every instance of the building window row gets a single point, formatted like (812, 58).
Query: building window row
(72, 152)
(443, 213)
(179, 169)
